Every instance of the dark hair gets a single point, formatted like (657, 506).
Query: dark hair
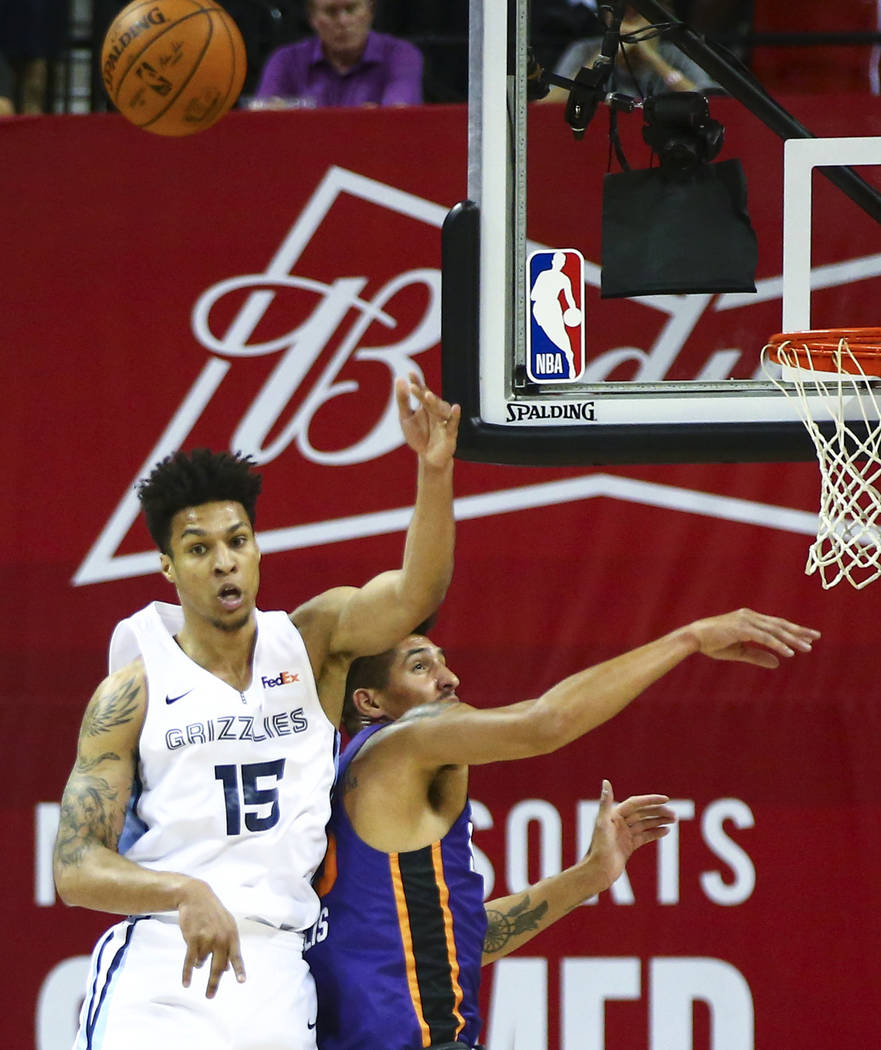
(189, 479)
(371, 672)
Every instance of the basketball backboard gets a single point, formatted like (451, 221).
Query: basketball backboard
(637, 397)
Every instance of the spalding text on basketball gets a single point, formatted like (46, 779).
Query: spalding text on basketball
(153, 17)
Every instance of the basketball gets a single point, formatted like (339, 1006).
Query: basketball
(173, 67)
(572, 317)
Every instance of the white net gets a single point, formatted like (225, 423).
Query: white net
(848, 544)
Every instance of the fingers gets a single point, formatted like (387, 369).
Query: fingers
(191, 960)
(781, 635)
(635, 803)
(647, 817)
(218, 965)
(435, 406)
(402, 396)
(755, 638)
(237, 964)
(222, 959)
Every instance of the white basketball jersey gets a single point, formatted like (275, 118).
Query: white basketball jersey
(233, 788)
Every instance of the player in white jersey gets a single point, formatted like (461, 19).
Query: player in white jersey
(197, 802)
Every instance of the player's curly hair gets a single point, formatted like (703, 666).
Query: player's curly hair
(189, 479)
(371, 672)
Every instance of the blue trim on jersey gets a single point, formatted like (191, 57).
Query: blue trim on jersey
(133, 827)
(94, 1011)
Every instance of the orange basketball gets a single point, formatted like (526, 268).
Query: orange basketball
(173, 67)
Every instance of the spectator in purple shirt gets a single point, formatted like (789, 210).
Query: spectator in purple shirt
(345, 63)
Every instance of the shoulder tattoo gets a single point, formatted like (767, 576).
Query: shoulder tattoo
(113, 709)
(349, 781)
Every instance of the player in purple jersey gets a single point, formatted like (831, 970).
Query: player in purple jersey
(402, 913)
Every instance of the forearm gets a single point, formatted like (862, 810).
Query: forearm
(514, 920)
(375, 617)
(590, 697)
(427, 565)
(103, 880)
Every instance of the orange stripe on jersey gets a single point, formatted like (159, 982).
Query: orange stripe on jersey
(444, 894)
(407, 939)
(327, 873)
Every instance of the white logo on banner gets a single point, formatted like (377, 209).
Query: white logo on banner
(298, 351)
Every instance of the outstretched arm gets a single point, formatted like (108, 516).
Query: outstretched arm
(620, 828)
(90, 873)
(347, 621)
(451, 733)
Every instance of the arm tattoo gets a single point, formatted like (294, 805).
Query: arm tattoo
(85, 819)
(348, 783)
(503, 927)
(111, 711)
(90, 811)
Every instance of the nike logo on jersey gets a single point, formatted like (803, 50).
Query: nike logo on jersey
(174, 699)
(311, 1024)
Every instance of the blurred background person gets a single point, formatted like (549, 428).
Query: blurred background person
(647, 66)
(32, 36)
(345, 63)
(7, 107)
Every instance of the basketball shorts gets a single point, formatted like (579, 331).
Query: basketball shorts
(135, 999)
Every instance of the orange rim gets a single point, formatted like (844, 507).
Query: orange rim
(818, 350)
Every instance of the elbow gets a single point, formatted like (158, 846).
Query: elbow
(423, 614)
(548, 730)
(70, 882)
(65, 884)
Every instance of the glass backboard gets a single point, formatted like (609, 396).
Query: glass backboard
(661, 377)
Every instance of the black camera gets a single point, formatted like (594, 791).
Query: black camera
(680, 130)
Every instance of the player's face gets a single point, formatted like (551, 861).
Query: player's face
(418, 675)
(342, 25)
(214, 564)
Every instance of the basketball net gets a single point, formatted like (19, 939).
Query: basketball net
(825, 374)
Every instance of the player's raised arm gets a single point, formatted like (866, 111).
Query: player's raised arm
(352, 621)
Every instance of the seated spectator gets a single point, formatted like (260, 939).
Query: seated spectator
(7, 107)
(649, 66)
(345, 63)
(31, 40)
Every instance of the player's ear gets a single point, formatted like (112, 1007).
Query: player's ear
(166, 567)
(367, 703)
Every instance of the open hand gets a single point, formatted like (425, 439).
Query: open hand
(622, 827)
(432, 427)
(751, 637)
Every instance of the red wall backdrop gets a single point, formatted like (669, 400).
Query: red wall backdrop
(263, 282)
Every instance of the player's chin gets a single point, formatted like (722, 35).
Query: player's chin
(234, 621)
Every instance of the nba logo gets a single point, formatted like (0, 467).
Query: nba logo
(555, 333)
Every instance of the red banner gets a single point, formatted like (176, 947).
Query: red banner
(259, 286)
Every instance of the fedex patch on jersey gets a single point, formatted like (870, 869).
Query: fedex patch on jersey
(555, 332)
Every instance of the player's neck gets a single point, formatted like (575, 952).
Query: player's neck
(228, 654)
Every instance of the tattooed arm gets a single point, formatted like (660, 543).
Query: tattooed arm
(620, 828)
(89, 871)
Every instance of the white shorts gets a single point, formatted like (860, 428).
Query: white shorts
(135, 999)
